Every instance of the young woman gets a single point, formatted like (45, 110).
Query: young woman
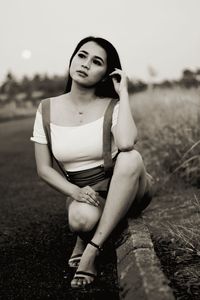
(95, 79)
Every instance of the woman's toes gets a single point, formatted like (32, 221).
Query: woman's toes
(84, 282)
(81, 282)
(74, 283)
(89, 280)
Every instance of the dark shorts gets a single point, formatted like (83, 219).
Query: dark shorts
(96, 178)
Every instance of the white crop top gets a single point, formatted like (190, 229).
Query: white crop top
(76, 147)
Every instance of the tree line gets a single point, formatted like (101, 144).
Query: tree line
(43, 86)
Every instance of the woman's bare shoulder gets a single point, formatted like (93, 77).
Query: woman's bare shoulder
(60, 109)
(59, 99)
(53, 100)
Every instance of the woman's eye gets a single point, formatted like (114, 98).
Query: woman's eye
(81, 55)
(97, 62)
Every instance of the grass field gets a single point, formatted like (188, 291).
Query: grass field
(169, 137)
(12, 111)
(168, 125)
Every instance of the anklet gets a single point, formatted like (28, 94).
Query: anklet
(96, 246)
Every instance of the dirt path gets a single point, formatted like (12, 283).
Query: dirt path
(34, 238)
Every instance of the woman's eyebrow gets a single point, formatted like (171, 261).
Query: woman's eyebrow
(94, 56)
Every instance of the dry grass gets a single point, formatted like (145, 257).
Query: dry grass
(169, 140)
(187, 234)
(168, 122)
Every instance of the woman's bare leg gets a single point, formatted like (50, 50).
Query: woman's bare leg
(82, 219)
(128, 182)
(77, 252)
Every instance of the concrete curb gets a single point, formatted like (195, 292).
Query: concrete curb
(139, 272)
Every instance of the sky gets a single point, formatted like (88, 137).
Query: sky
(39, 36)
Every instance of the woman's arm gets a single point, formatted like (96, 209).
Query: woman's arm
(125, 131)
(47, 173)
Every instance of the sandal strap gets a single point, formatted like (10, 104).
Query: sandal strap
(75, 256)
(96, 246)
(84, 273)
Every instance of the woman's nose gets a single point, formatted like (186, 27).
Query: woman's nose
(85, 67)
(86, 64)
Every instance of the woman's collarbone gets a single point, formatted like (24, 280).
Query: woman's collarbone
(67, 115)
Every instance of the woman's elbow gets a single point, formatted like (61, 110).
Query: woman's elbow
(126, 147)
(42, 172)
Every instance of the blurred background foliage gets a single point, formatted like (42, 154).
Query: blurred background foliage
(34, 89)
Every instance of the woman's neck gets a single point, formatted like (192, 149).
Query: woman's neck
(82, 95)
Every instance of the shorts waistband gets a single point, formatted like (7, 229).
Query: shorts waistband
(87, 177)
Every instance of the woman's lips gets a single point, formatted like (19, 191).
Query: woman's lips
(82, 73)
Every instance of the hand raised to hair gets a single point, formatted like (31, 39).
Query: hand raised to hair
(120, 80)
(86, 195)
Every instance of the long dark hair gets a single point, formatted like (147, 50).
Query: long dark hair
(105, 87)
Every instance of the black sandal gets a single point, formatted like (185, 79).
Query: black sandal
(83, 274)
(74, 260)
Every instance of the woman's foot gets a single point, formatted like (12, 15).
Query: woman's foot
(86, 272)
(75, 258)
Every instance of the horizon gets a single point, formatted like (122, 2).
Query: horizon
(50, 76)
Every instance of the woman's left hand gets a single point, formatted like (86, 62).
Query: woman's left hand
(120, 80)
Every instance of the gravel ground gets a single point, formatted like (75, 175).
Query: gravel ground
(35, 241)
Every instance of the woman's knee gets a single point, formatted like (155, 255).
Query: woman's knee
(129, 163)
(82, 217)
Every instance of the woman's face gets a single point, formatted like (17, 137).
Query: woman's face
(89, 64)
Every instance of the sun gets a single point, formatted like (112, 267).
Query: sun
(26, 54)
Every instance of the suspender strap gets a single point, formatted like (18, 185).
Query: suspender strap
(107, 155)
(46, 125)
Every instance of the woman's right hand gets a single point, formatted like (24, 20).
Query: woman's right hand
(85, 194)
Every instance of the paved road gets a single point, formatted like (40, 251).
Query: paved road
(35, 242)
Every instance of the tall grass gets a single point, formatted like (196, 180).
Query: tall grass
(187, 234)
(169, 137)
